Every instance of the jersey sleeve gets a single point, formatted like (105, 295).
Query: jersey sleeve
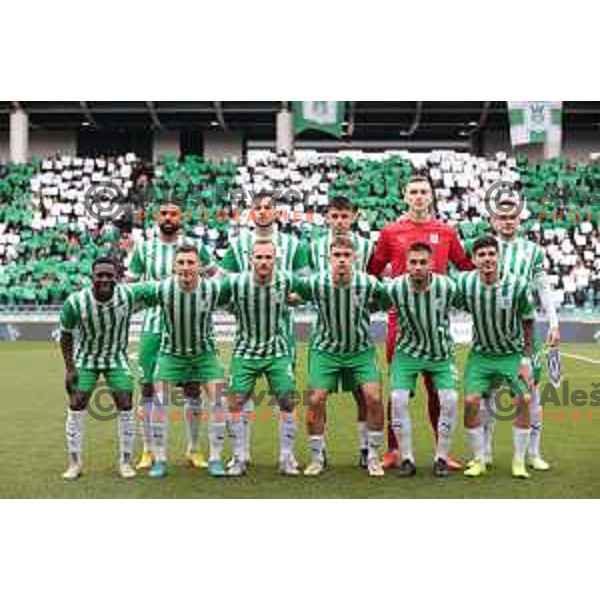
(225, 291)
(144, 295)
(302, 286)
(68, 318)
(525, 303)
(538, 262)
(301, 259)
(206, 258)
(455, 289)
(229, 262)
(383, 300)
(136, 264)
(369, 253)
(457, 255)
(382, 255)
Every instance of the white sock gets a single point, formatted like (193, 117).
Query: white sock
(288, 434)
(248, 422)
(374, 442)
(216, 432)
(145, 407)
(520, 441)
(401, 423)
(536, 422)
(489, 427)
(315, 443)
(363, 435)
(126, 435)
(475, 440)
(237, 431)
(446, 422)
(74, 433)
(160, 429)
(192, 424)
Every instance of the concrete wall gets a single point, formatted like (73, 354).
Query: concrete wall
(166, 142)
(222, 144)
(42, 143)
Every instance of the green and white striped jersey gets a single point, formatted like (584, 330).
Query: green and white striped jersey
(319, 252)
(187, 316)
(152, 260)
(101, 329)
(343, 311)
(497, 310)
(260, 311)
(521, 257)
(292, 254)
(424, 317)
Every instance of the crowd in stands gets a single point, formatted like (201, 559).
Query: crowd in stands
(49, 239)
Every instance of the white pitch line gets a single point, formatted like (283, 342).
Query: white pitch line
(582, 358)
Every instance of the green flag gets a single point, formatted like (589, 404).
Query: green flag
(535, 122)
(324, 115)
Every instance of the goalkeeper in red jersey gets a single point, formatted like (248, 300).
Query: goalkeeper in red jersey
(417, 225)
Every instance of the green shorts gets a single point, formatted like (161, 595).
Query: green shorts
(148, 355)
(325, 369)
(278, 371)
(405, 370)
(486, 371)
(190, 369)
(116, 379)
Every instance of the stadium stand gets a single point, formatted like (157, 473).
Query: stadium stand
(48, 240)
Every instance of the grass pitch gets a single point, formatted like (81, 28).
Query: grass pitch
(32, 447)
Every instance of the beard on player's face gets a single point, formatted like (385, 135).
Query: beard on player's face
(168, 227)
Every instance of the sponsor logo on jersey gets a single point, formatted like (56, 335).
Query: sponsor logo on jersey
(434, 238)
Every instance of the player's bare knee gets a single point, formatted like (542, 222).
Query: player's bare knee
(78, 401)
(123, 400)
(192, 390)
(148, 390)
(317, 400)
(472, 408)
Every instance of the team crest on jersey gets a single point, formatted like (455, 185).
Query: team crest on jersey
(434, 238)
(203, 305)
(438, 304)
(505, 300)
(279, 297)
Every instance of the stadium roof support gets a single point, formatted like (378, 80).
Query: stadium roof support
(153, 115)
(416, 121)
(87, 113)
(220, 116)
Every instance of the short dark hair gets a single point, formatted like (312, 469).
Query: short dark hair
(341, 203)
(263, 194)
(421, 247)
(187, 247)
(105, 260)
(421, 175)
(342, 241)
(487, 241)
